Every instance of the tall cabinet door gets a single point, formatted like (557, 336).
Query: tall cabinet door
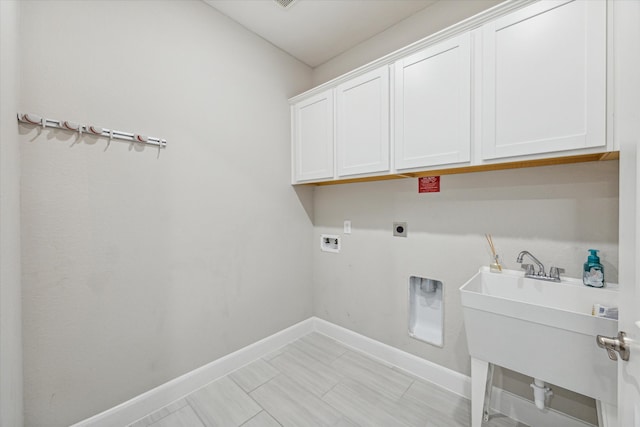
(544, 79)
(313, 138)
(433, 105)
(362, 123)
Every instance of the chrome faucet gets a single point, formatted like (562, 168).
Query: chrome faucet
(554, 275)
(521, 255)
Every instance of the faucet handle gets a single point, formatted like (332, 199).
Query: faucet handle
(554, 273)
(528, 269)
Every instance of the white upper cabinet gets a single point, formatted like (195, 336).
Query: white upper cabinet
(520, 82)
(433, 105)
(544, 79)
(362, 124)
(313, 138)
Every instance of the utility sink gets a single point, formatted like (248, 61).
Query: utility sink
(542, 329)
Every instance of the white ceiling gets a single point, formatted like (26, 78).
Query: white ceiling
(315, 31)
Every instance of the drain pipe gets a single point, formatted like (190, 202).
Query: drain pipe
(540, 393)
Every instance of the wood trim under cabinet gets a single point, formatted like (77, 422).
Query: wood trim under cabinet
(609, 155)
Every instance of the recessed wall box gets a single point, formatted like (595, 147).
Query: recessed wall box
(330, 243)
(426, 310)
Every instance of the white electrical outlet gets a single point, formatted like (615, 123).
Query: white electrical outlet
(347, 226)
(330, 243)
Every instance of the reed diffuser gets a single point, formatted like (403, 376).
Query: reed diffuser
(495, 266)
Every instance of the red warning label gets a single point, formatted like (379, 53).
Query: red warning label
(429, 184)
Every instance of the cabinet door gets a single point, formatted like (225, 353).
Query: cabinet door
(362, 124)
(543, 84)
(313, 138)
(433, 105)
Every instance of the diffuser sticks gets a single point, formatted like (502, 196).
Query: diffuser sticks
(495, 265)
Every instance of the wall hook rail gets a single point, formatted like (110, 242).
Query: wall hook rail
(110, 134)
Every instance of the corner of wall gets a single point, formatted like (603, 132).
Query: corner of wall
(11, 402)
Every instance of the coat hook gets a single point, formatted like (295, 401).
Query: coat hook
(71, 125)
(91, 129)
(140, 138)
(96, 130)
(32, 118)
(109, 140)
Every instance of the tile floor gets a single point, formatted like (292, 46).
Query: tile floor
(316, 381)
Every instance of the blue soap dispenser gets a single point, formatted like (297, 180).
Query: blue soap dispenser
(593, 274)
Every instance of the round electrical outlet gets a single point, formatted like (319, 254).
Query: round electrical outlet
(400, 229)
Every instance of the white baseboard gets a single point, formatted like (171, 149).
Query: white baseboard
(515, 407)
(422, 368)
(506, 403)
(154, 399)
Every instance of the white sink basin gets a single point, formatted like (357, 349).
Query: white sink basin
(542, 329)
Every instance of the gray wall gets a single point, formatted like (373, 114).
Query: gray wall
(10, 291)
(556, 212)
(429, 20)
(140, 266)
